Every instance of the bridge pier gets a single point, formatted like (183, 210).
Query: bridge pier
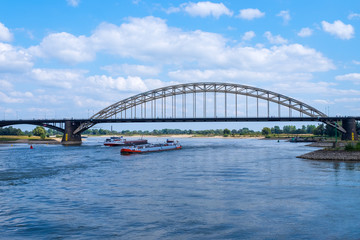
(349, 125)
(69, 138)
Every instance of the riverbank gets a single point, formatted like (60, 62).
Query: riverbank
(28, 140)
(332, 155)
(329, 153)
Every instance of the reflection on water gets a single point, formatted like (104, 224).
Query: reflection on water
(211, 189)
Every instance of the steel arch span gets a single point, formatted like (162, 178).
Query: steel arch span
(119, 109)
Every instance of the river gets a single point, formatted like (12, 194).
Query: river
(211, 189)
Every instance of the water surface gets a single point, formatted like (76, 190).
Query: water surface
(211, 189)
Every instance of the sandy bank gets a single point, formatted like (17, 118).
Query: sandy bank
(32, 141)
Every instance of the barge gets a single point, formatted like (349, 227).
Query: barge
(145, 148)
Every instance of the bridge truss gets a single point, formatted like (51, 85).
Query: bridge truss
(218, 100)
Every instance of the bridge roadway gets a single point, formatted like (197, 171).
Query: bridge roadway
(68, 126)
(42, 122)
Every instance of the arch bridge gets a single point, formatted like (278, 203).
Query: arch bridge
(205, 102)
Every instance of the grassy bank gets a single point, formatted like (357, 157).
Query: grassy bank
(26, 139)
(14, 138)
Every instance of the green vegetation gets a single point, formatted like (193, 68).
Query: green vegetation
(352, 147)
(226, 132)
(166, 131)
(266, 131)
(39, 131)
(18, 132)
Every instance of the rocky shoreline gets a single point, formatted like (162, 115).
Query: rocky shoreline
(332, 155)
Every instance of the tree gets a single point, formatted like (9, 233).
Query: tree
(266, 131)
(39, 131)
(277, 130)
(310, 128)
(319, 130)
(226, 132)
(330, 131)
(244, 131)
(289, 129)
(10, 131)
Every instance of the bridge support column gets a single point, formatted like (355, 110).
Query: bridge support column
(349, 125)
(69, 137)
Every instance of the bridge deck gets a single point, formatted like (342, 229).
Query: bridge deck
(209, 119)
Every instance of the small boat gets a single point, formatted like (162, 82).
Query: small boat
(158, 147)
(120, 141)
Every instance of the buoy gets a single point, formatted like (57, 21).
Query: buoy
(31, 147)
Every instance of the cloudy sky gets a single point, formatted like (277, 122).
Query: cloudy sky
(71, 58)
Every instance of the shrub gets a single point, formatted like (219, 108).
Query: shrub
(349, 147)
(357, 146)
(43, 136)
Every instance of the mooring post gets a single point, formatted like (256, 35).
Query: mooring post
(349, 125)
(69, 138)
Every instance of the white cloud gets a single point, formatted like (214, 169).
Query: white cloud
(347, 100)
(204, 9)
(21, 94)
(5, 85)
(322, 101)
(134, 84)
(305, 32)
(156, 83)
(73, 3)
(250, 13)
(319, 88)
(13, 59)
(354, 16)
(339, 29)
(6, 99)
(132, 70)
(248, 36)
(236, 75)
(15, 97)
(356, 62)
(173, 10)
(65, 47)
(5, 35)
(275, 39)
(149, 39)
(63, 78)
(285, 16)
(354, 77)
(82, 101)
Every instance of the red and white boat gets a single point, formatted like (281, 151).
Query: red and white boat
(159, 147)
(120, 141)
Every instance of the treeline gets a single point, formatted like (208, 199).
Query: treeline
(34, 132)
(166, 131)
(321, 129)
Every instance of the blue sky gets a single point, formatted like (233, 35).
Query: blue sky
(71, 58)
